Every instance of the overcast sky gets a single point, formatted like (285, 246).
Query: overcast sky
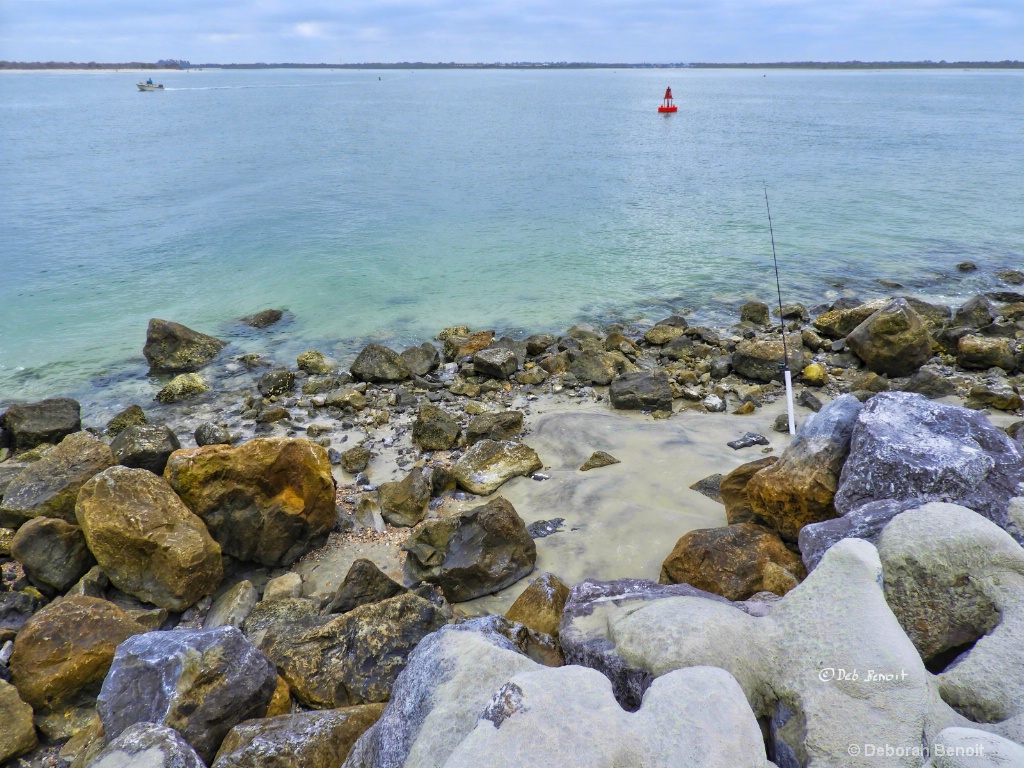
(352, 31)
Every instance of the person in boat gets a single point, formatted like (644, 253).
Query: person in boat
(150, 81)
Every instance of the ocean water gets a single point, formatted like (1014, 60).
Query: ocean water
(388, 205)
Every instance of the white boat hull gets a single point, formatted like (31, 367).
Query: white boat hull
(149, 87)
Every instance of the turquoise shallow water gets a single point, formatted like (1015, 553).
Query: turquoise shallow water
(388, 205)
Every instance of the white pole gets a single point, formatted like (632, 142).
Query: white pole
(789, 401)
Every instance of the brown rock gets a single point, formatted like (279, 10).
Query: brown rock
(733, 491)
(489, 463)
(730, 561)
(893, 341)
(435, 429)
(405, 502)
(281, 702)
(504, 425)
(598, 459)
(266, 500)
(52, 552)
(457, 347)
(18, 734)
(540, 605)
(837, 323)
(983, 352)
(174, 348)
(355, 459)
(663, 334)
(146, 540)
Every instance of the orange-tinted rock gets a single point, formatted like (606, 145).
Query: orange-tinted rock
(540, 605)
(733, 490)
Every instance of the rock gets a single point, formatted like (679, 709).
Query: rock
(364, 584)
(132, 416)
(145, 447)
(209, 433)
(279, 381)
(734, 491)
(533, 376)
(267, 500)
(61, 656)
(869, 382)
(307, 739)
(982, 352)
(731, 561)
(700, 713)
(278, 614)
(503, 425)
(282, 587)
(709, 486)
(1011, 276)
(16, 608)
(971, 748)
(996, 394)
(966, 266)
(748, 440)
(356, 459)
(713, 404)
(930, 383)
(934, 316)
(42, 422)
(540, 605)
(405, 502)
(598, 459)
(379, 363)
(455, 330)
(680, 348)
(200, 682)
(184, 386)
(18, 735)
(954, 579)
(793, 312)
(479, 552)
(314, 363)
(147, 542)
(800, 487)
(641, 391)
(435, 429)
(50, 486)
(976, 312)
(814, 375)
(346, 397)
(761, 359)
(663, 334)
(807, 400)
(52, 552)
(838, 323)
(495, 363)
(905, 446)
(353, 658)
(893, 341)
(264, 318)
(173, 348)
(422, 360)
(865, 522)
(457, 347)
(755, 312)
(488, 464)
(597, 367)
(538, 343)
(233, 607)
(147, 745)
(438, 699)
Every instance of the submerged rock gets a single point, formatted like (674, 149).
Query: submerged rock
(598, 459)
(184, 386)
(264, 318)
(174, 348)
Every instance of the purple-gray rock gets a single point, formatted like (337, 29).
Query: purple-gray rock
(201, 682)
(865, 522)
(641, 391)
(45, 421)
(905, 446)
(149, 745)
(147, 446)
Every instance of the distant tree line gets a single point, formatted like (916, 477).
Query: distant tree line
(163, 64)
(867, 65)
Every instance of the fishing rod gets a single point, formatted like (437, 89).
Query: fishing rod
(786, 374)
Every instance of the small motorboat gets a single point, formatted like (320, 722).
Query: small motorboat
(666, 104)
(150, 86)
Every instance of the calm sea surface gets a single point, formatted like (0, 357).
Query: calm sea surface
(387, 205)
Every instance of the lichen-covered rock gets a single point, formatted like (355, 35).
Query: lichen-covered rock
(405, 502)
(307, 739)
(266, 500)
(458, 346)
(278, 614)
(905, 446)
(598, 367)
(837, 323)
(641, 391)
(147, 745)
(132, 416)
(503, 425)
(435, 429)
(145, 447)
(62, 654)
(18, 734)
(146, 540)
(755, 312)
(540, 605)
(761, 359)
(45, 421)
(379, 363)
(976, 312)
(663, 334)
(893, 341)
(488, 464)
(995, 393)
(736, 562)
(279, 381)
(983, 352)
(800, 487)
(356, 459)
(422, 360)
(174, 348)
(210, 433)
(597, 460)
(49, 487)
(314, 363)
(364, 584)
(52, 552)
(184, 386)
(495, 363)
(199, 682)
(354, 658)
(733, 490)
(476, 553)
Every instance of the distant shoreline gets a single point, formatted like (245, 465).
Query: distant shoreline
(838, 65)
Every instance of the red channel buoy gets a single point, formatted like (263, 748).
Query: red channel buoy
(667, 105)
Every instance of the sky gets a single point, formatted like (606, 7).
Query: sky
(611, 31)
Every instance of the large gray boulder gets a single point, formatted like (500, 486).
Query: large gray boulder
(865, 522)
(49, 487)
(146, 446)
(893, 341)
(641, 391)
(200, 682)
(905, 446)
(148, 745)
(45, 421)
(52, 552)
(761, 359)
(476, 553)
(495, 363)
(379, 363)
(174, 348)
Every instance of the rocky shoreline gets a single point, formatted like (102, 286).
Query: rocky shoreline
(432, 555)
